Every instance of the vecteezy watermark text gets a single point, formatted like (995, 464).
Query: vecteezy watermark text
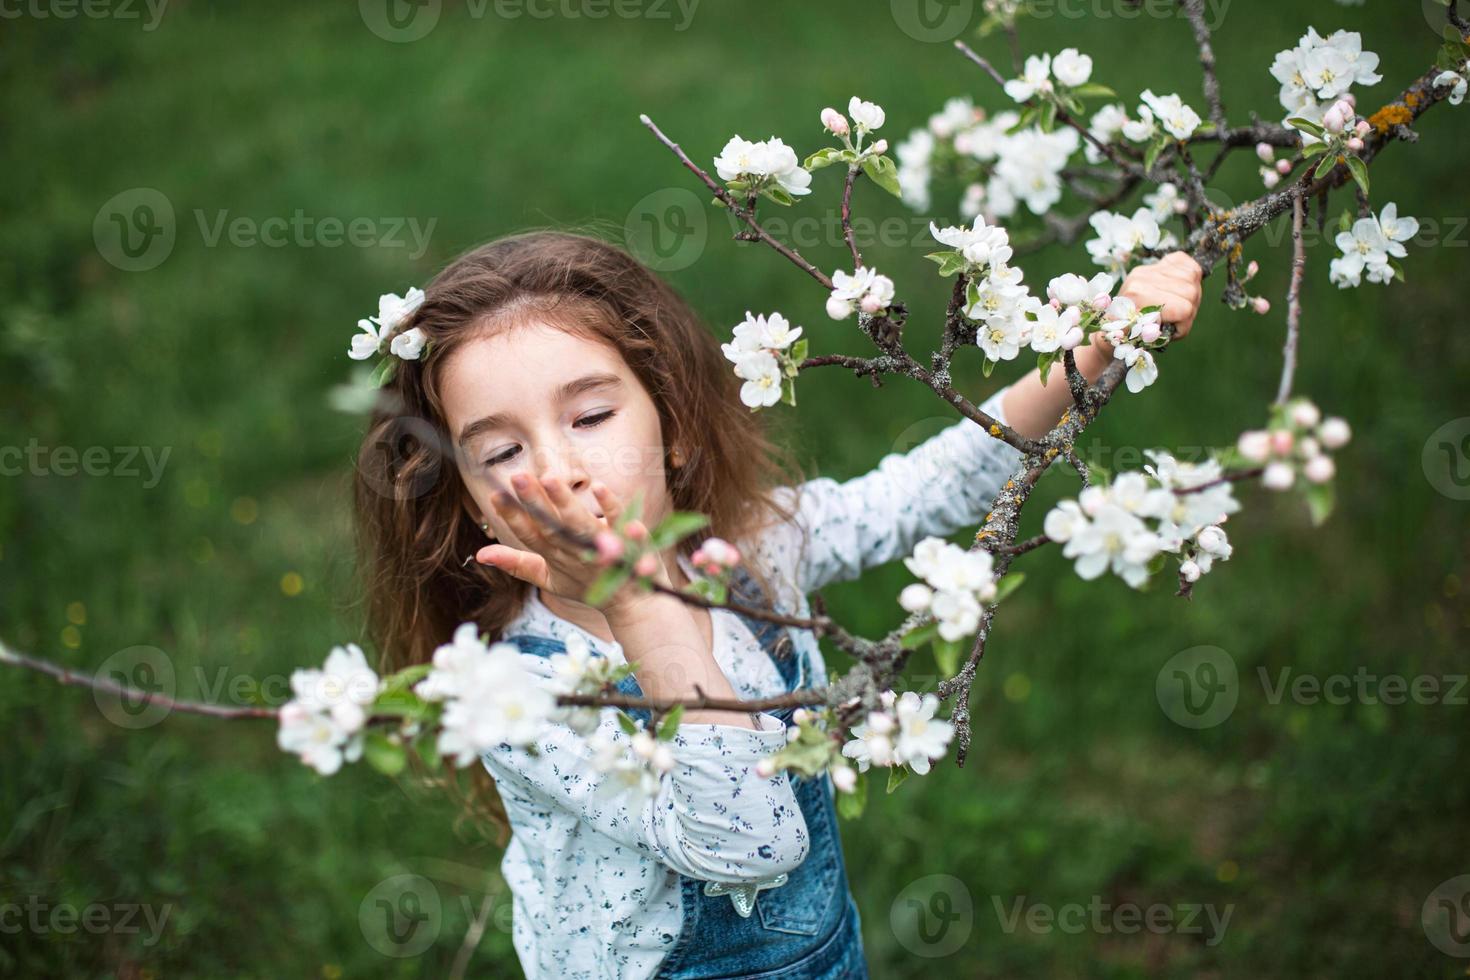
(122, 461)
(1126, 918)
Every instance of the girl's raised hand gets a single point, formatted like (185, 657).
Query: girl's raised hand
(549, 561)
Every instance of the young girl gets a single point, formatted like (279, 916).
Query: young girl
(562, 373)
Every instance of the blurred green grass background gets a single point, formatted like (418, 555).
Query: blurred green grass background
(1322, 827)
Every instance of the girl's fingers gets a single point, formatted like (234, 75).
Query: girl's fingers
(571, 512)
(524, 565)
(526, 528)
(612, 507)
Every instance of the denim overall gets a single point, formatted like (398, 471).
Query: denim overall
(799, 926)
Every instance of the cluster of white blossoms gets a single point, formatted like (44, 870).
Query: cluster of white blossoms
(1122, 241)
(638, 775)
(1168, 114)
(864, 289)
(903, 732)
(1044, 75)
(766, 353)
(1296, 441)
(1320, 71)
(323, 722)
(489, 696)
(1370, 246)
(393, 311)
(1014, 168)
(767, 167)
(1129, 524)
(957, 584)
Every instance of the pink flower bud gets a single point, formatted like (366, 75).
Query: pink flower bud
(871, 304)
(1056, 304)
(1270, 178)
(844, 778)
(1305, 414)
(1364, 127)
(1072, 338)
(699, 557)
(636, 531)
(838, 309)
(1252, 269)
(1281, 442)
(609, 547)
(765, 769)
(1319, 469)
(1101, 301)
(1350, 99)
(1355, 144)
(1333, 120)
(1309, 447)
(1265, 152)
(801, 716)
(1189, 570)
(881, 147)
(1261, 305)
(834, 121)
(646, 564)
(1283, 167)
(1254, 445)
(1149, 331)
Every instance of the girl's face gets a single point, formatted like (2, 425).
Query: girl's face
(535, 399)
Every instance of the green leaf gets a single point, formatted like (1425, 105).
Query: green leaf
(626, 723)
(1345, 220)
(1360, 173)
(670, 724)
(406, 678)
(1320, 499)
(987, 367)
(1093, 90)
(1398, 270)
(779, 195)
(385, 756)
(1048, 116)
(1044, 363)
(950, 261)
(918, 636)
(788, 391)
(428, 750)
(607, 585)
(947, 655)
(383, 373)
(850, 805)
(798, 350)
(1325, 167)
(1313, 149)
(678, 525)
(826, 157)
(1151, 155)
(896, 775)
(881, 171)
(1008, 584)
(1306, 125)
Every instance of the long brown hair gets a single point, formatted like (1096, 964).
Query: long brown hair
(412, 525)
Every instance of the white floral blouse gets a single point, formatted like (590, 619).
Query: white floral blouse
(595, 883)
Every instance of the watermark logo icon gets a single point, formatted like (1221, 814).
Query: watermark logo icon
(933, 21)
(1446, 459)
(1446, 916)
(135, 230)
(400, 21)
(401, 916)
(667, 230)
(933, 916)
(1198, 687)
(140, 669)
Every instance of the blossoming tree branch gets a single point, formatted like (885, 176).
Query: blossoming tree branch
(1059, 136)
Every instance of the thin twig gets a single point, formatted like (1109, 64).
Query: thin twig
(1293, 300)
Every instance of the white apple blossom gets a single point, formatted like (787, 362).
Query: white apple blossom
(1142, 371)
(367, 342)
(1073, 290)
(1121, 239)
(914, 156)
(1166, 202)
(982, 245)
(1456, 83)
(315, 739)
(958, 582)
(1178, 119)
(1106, 126)
(866, 116)
(409, 344)
(395, 310)
(957, 115)
(1072, 68)
(864, 287)
(761, 373)
(763, 162)
(1036, 77)
(342, 689)
(921, 737)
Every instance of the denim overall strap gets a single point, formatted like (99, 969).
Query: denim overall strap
(800, 926)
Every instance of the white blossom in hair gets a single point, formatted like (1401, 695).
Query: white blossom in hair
(393, 312)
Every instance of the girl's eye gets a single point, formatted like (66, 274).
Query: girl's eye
(586, 422)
